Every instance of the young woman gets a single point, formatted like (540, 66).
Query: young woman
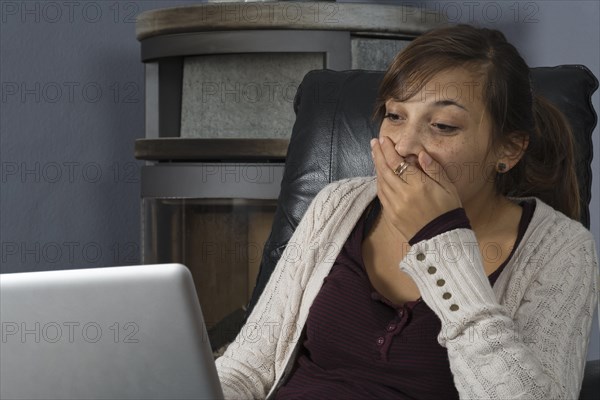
(442, 276)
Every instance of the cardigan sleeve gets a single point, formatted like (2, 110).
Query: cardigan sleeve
(537, 353)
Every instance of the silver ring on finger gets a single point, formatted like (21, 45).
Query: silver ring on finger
(401, 169)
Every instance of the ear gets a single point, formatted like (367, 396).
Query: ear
(514, 148)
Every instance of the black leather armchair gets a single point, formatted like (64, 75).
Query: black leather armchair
(330, 141)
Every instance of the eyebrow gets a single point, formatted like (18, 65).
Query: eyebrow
(444, 103)
(439, 103)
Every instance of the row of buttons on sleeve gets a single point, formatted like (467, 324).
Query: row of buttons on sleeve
(440, 282)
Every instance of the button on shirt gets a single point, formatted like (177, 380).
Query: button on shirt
(359, 345)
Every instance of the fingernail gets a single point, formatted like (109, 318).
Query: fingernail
(373, 143)
(381, 140)
(426, 159)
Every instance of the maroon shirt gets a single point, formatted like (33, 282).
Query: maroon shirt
(358, 345)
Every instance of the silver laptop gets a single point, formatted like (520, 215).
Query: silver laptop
(133, 332)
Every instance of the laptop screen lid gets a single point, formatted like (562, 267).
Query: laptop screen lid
(134, 332)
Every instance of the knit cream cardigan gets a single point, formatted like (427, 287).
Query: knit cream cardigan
(525, 338)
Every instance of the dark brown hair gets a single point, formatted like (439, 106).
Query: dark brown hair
(547, 168)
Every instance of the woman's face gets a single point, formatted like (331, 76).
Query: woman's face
(448, 120)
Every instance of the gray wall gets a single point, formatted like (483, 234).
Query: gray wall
(72, 106)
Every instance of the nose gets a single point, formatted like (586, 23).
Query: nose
(407, 141)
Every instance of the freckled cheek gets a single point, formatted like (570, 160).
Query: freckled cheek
(447, 156)
(384, 127)
(466, 171)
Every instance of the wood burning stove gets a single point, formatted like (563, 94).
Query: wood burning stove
(220, 85)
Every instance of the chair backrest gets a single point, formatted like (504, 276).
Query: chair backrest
(330, 140)
(590, 387)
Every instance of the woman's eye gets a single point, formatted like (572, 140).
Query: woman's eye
(444, 128)
(392, 117)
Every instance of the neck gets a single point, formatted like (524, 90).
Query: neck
(485, 213)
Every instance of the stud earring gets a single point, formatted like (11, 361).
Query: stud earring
(501, 167)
